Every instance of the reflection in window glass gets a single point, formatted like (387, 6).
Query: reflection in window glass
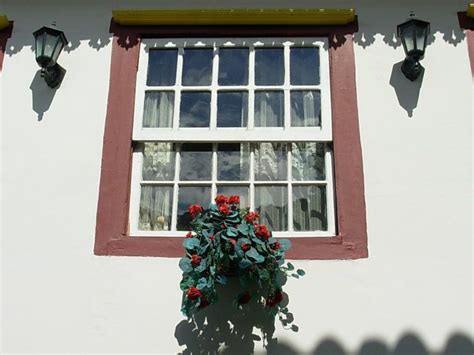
(162, 67)
(191, 195)
(270, 161)
(195, 109)
(158, 109)
(158, 161)
(269, 69)
(232, 109)
(196, 162)
(271, 202)
(155, 208)
(197, 67)
(309, 208)
(269, 110)
(304, 66)
(233, 162)
(305, 108)
(307, 160)
(233, 66)
(241, 191)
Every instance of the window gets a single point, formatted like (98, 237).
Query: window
(247, 116)
(244, 113)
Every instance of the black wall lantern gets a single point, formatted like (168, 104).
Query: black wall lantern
(49, 42)
(414, 35)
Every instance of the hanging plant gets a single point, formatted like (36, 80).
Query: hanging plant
(227, 241)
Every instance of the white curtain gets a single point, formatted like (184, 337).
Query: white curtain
(158, 109)
(155, 208)
(305, 108)
(271, 202)
(158, 161)
(269, 109)
(270, 161)
(309, 208)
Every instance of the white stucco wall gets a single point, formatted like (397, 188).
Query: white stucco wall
(58, 297)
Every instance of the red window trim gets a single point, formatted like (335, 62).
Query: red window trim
(5, 34)
(113, 207)
(467, 23)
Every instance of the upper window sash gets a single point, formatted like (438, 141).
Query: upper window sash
(246, 134)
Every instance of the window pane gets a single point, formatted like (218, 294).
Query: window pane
(196, 162)
(269, 69)
(232, 109)
(271, 202)
(233, 162)
(307, 161)
(195, 109)
(162, 67)
(158, 161)
(269, 109)
(233, 66)
(241, 191)
(156, 203)
(191, 195)
(158, 109)
(197, 67)
(309, 208)
(270, 161)
(304, 66)
(305, 108)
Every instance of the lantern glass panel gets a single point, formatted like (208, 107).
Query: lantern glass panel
(408, 36)
(421, 34)
(39, 44)
(49, 45)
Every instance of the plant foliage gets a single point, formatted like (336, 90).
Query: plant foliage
(227, 241)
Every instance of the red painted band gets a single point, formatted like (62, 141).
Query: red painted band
(5, 34)
(467, 23)
(112, 236)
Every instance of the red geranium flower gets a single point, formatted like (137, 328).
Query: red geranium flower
(189, 235)
(212, 237)
(194, 210)
(224, 209)
(220, 199)
(262, 231)
(195, 260)
(234, 200)
(276, 246)
(193, 293)
(251, 217)
(275, 299)
(204, 303)
(245, 246)
(244, 297)
(232, 241)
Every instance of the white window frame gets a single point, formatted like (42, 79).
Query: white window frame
(249, 134)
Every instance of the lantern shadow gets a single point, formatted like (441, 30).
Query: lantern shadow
(42, 95)
(222, 328)
(407, 91)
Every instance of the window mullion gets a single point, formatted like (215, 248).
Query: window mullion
(286, 86)
(290, 188)
(174, 216)
(330, 205)
(252, 178)
(214, 172)
(177, 88)
(215, 71)
(251, 86)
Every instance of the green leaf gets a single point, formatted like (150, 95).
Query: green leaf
(285, 244)
(232, 232)
(296, 276)
(244, 263)
(221, 279)
(243, 229)
(202, 283)
(186, 283)
(185, 265)
(191, 243)
(290, 266)
(300, 272)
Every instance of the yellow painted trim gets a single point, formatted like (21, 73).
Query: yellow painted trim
(470, 10)
(131, 17)
(4, 22)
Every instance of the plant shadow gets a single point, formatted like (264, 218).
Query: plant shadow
(223, 328)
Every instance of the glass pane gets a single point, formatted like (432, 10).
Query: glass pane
(195, 109)
(309, 208)
(408, 33)
(304, 66)
(269, 110)
(162, 67)
(158, 109)
(191, 195)
(156, 203)
(305, 108)
(271, 202)
(307, 161)
(49, 45)
(269, 69)
(241, 191)
(197, 67)
(232, 109)
(158, 161)
(420, 37)
(196, 162)
(270, 161)
(233, 66)
(233, 162)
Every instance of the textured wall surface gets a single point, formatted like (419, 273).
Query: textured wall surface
(413, 292)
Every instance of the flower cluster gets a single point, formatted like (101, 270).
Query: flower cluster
(228, 241)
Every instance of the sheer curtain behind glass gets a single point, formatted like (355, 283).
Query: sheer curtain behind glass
(158, 109)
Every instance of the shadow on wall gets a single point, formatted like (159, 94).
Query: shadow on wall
(407, 91)
(42, 95)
